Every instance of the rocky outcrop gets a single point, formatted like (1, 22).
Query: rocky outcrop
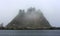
(32, 18)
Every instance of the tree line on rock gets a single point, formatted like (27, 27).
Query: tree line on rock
(30, 19)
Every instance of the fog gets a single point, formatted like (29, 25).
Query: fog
(50, 8)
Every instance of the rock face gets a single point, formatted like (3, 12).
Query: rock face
(32, 18)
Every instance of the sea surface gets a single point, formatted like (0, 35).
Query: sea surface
(29, 32)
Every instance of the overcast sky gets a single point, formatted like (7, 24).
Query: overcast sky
(50, 8)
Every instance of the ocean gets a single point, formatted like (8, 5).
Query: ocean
(29, 32)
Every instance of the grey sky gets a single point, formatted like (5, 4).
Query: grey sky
(50, 8)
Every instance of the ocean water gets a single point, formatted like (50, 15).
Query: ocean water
(29, 32)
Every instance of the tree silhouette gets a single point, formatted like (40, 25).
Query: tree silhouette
(31, 18)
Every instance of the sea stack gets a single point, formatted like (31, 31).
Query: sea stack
(31, 18)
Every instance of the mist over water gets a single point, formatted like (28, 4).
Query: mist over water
(50, 8)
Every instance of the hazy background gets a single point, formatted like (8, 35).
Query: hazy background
(50, 8)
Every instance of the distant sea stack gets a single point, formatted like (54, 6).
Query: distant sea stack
(31, 18)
